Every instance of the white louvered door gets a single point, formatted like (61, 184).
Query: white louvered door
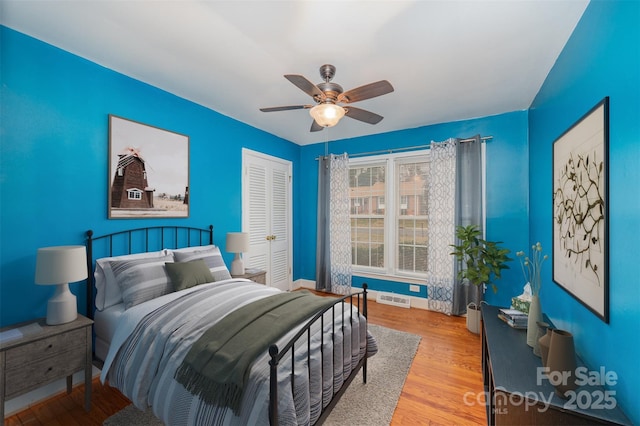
(266, 215)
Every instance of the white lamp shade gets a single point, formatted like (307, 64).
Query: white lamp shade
(237, 242)
(61, 265)
(327, 115)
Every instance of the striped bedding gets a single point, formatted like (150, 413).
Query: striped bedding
(153, 338)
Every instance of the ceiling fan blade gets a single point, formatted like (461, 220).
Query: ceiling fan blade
(285, 108)
(315, 127)
(367, 91)
(305, 85)
(363, 115)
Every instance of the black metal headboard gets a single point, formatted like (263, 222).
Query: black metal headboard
(140, 240)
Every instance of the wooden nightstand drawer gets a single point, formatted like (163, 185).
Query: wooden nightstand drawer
(256, 275)
(260, 278)
(47, 348)
(38, 354)
(42, 371)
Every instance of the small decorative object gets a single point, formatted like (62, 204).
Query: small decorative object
(580, 210)
(479, 261)
(544, 343)
(542, 330)
(531, 267)
(238, 243)
(535, 316)
(60, 266)
(561, 361)
(521, 304)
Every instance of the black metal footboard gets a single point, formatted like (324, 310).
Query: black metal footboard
(277, 354)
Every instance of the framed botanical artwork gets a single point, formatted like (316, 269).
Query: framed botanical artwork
(148, 171)
(580, 210)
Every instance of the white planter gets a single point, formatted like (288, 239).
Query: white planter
(474, 318)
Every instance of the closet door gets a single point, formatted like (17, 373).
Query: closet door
(266, 215)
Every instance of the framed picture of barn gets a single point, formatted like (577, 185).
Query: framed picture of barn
(148, 171)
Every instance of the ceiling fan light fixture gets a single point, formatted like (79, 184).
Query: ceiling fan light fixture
(327, 115)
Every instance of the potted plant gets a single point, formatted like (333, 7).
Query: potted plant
(480, 263)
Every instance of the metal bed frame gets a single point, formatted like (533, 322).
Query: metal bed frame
(158, 237)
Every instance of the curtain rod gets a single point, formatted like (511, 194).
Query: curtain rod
(409, 148)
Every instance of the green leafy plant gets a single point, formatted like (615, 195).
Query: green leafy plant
(480, 261)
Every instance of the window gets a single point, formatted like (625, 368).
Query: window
(134, 194)
(411, 179)
(388, 214)
(367, 184)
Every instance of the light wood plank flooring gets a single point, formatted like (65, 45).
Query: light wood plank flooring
(447, 367)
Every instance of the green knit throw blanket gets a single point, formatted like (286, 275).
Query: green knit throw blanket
(218, 364)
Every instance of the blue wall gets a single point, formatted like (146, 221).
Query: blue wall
(53, 160)
(602, 58)
(53, 171)
(507, 189)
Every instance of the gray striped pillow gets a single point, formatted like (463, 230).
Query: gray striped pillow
(142, 279)
(211, 257)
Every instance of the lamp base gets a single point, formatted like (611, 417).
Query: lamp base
(61, 308)
(237, 266)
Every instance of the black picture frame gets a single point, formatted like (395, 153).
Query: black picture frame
(580, 210)
(148, 171)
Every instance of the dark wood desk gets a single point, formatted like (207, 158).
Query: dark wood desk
(517, 395)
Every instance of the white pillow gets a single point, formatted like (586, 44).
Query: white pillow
(191, 249)
(108, 291)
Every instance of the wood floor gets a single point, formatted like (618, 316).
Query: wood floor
(442, 387)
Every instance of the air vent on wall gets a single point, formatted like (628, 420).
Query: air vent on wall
(394, 299)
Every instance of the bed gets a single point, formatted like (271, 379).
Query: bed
(168, 318)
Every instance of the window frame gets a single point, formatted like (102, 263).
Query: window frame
(391, 270)
(134, 194)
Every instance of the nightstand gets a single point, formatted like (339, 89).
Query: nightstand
(256, 275)
(42, 354)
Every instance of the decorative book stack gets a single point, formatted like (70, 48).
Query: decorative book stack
(513, 317)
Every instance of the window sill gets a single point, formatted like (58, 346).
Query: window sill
(389, 277)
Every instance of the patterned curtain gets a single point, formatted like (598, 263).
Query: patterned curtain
(441, 211)
(333, 255)
(340, 225)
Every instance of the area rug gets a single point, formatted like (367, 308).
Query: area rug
(369, 404)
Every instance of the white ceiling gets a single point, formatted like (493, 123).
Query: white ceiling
(447, 60)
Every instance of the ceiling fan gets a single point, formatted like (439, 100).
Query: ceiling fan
(327, 95)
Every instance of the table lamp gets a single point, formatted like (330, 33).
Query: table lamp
(238, 243)
(60, 266)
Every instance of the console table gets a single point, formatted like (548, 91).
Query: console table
(515, 393)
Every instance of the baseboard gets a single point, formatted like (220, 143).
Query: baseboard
(416, 302)
(22, 402)
(310, 284)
